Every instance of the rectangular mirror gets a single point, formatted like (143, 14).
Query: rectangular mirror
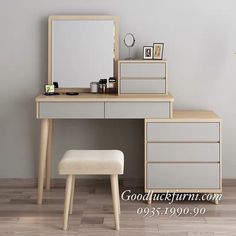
(82, 49)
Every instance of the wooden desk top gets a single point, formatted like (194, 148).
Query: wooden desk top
(89, 97)
(190, 116)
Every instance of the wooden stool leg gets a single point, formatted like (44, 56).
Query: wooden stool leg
(42, 158)
(49, 155)
(67, 201)
(72, 194)
(114, 190)
(118, 194)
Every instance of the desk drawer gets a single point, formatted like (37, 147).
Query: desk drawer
(183, 175)
(183, 152)
(142, 69)
(136, 110)
(143, 86)
(183, 132)
(61, 110)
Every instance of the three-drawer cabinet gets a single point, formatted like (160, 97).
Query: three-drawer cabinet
(184, 153)
(142, 77)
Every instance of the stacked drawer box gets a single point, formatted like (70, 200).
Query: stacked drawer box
(142, 77)
(183, 153)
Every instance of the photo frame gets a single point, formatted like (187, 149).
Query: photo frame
(147, 52)
(49, 88)
(158, 49)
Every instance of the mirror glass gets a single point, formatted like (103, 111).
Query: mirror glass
(82, 51)
(129, 40)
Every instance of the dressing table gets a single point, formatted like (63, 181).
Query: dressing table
(142, 94)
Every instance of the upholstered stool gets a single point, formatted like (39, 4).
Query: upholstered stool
(91, 162)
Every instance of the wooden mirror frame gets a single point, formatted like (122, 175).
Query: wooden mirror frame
(115, 20)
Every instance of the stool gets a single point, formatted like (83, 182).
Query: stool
(91, 162)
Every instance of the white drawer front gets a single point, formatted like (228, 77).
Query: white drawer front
(189, 176)
(144, 69)
(143, 86)
(186, 132)
(137, 110)
(183, 152)
(60, 110)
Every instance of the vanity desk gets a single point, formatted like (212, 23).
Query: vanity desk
(182, 149)
(91, 106)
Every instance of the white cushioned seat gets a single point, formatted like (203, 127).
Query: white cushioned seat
(92, 162)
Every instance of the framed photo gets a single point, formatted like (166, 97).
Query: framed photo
(147, 52)
(158, 49)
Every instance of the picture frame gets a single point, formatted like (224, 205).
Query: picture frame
(49, 88)
(147, 52)
(158, 49)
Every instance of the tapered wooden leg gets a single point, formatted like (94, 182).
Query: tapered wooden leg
(215, 200)
(150, 199)
(114, 190)
(67, 201)
(49, 155)
(72, 194)
(42, 158)
(118, 194)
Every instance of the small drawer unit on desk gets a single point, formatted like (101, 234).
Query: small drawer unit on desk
(184, 153)
(142, 77)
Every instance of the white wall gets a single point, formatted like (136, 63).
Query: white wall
(200, 41)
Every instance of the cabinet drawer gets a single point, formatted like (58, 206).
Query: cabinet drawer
(144, 69)
(183, 152)
(183, 175)
(142, 86)
(137, 110)
(183, 132)
(60, 110)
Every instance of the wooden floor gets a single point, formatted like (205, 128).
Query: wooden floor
(92, 216)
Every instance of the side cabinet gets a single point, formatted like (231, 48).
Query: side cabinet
(142, 77)
(184, 153)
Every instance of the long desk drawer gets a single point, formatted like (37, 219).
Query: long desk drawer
(183, 132)
(183, 152)
(142, 86)
(183, 175)
(72, 110)
(136, 110)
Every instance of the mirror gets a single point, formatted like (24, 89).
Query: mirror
(82, 49)
(129, 42)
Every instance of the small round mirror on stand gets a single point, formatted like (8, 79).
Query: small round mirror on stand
(129, 42)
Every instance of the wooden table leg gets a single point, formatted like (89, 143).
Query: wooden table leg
(49, 155)
(42, 158)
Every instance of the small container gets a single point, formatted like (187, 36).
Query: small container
(94, 87)
(102, 86)
(111, 85)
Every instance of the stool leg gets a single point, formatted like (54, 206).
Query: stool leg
(118, 194)
(67, 201)
(114, 190)
(72, 194)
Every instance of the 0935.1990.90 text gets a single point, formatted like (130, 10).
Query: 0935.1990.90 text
(171, 211)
